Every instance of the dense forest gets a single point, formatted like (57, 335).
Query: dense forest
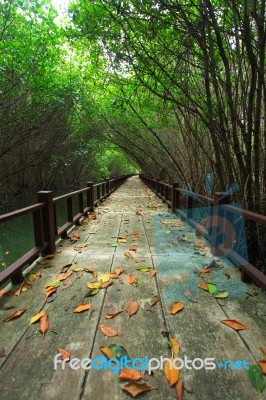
(174, 89)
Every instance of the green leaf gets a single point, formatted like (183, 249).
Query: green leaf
(92, 292)
(118, 351)
(137, 282)
(143, 269)
(114, 244)
(221, 295)
(167, 232)
(54, 283)
(212, 288)
(256, 378)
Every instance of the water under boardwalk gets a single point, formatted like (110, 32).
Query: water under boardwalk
(134, 232)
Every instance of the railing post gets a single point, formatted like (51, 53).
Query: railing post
(90, 196)
(175, 196)
(107, 186)
(48, 219)
(157, 185)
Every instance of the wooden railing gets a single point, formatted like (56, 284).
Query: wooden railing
(171, 194)
(44, 214)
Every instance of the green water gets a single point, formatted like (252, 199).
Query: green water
(17, 236)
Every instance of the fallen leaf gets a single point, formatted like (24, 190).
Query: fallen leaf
(211, 288)
(94, 285)
(171, 373)
(132, 307)
(77, 269)
(44, 324)
(129, 375)
(41, 262)
(32, 277)
(65, 268)
(154, 300)
(36, 317)
(2, 292)
(2, 353)
(75, 236)
(64, 354)
(107, 331)
(221, 295)
(113, 275)
(105, 285)
(82, 307)
(129, 255)
(64, 276)
(152, 272)
(122, 240)
(137, 233)
(203, 285)
(92, 292)
(54, 283)
(104, 277)
(18, 291)
(232, 323)
(112, 315)
(135, 388)
(203, 271)
(121, 237)
(176, 307)
(114, 351)
(52, 297)
(119, 271)
(49, 291)
(15, 314)
(180, 389)
(132, 247)
(66, 284)
(256, 378)
(262, 364)
(131, 279)
(263, 350)
(174, 345)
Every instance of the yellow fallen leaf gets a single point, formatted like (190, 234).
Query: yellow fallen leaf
(94, 285)
(176, 307)
(82, 307)
(104, 277)
(171, 373)
(36, 317)
(175, 345)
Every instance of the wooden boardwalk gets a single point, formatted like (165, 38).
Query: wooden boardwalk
(163, 243)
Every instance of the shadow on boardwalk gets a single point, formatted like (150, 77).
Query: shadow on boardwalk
(132, 219)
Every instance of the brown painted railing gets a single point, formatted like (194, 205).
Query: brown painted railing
(171, 194)
(45, 226)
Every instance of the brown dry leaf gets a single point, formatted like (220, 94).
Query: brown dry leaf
(204, 271)
(172, 374)
(113, 275)
(36, 317)
(2, 352)
(62, 277)
(75, 236)
(137, 233)
(129, 375)
(112, 315)
(67, 284)
(82, 307)
(132, 307)
(154, 300)
(18, 291)
(2, 292)
(105, 285)
(41, 262)
(200, 246)
(64, 354)
(32, 277)
(202, 285)
(119, 271)
(132, 247)
(175, 345)
(263, 350)
(51, 256)
(44, 324)
(234, 324)
(107, 352)
(129, 255)
(135, 388)
(131, 279)
(176, 307)
(49, 291)
(135, 239)
(262, 364)
(152, 272)
(15, 314)
(121, 237)
(107, 331)
(180, 389)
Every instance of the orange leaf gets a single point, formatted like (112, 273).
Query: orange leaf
(49, 291)
(233, 323)
(18, 291)
(105, 285)
(202, 285)
(154, 300)
(15, 314)
(137, 233)
(132, 307)
(113, 275)
(121, 237)
(263, 350)
(2, 292)
(51, 256)
(107, 331)
(62, 277)
(82, 307)
(171, 373)
(152, 272)
(119, 271)
(175, 345)
(112, 315)
(41, 262)
(107, 352)
(262, 364)
(122, 240)
(204, 271)
(180, 389)
(129, 375)
(129, 255)
(131, 279)
(135, 388)
(75, 236)
(132, 247)
(176, 307)
(44, 324)
(64, 354)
